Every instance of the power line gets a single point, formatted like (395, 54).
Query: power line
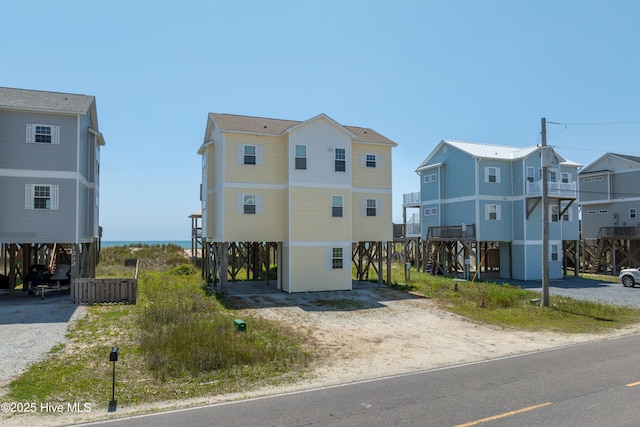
(594, 123)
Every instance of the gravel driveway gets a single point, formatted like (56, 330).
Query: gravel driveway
(30, 327)
(586, 289)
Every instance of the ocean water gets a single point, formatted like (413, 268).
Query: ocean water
(107, 243)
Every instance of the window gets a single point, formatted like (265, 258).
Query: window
(531, 174)
(341, 160)
(553, 175)
(249, 207)
(301, 156)
(597, 178)
(491, 174)
(554, 252)
(427, 179)
(434, 211)
(553, 212)
(587, 180)
(371, 207)
(43, 134)
(41, 197)
(336, 206)
(492, 212)
(565, 177)
(591, 212)
(249, 154)
(566, 216)
(603, 211)
(336, 258)
(370, 160)
(434, 177)
(632, 213)
(427, 212)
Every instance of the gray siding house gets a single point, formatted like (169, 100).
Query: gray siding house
(484, 202)
(610, 205)
(49, 176)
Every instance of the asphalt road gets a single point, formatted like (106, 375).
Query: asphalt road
(595, 384)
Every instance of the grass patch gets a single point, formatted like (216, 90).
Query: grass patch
(177, 342)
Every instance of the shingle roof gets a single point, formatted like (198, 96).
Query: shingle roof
(632, 158)
(266, 126)
(23, 99)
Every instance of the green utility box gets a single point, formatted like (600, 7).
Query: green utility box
(240, 325)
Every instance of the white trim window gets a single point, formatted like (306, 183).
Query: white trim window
(337, 259)
(337, 206)
(531, 174)
(430, 211)
(426, 179)
(371, 207)
(492, 174)
(492, 212)
(553, 213)
(340, 160)
(249, 154)
(565, 177)
(633, 213)
(553, 175)
(41, 197)
(43, 134)
(553, 253)
(249, 204)
(369, 160)
(301, 157)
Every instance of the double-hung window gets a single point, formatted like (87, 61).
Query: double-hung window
(249, 206)
(492, 174)
(249, 154)
(632, 213)
(370, 160)
(340, 160)
(371, 207)
(554, 252)
(43, 134)
(336, 258)
(492, 212)
(41, 197)
(301, 156)
(554, 213)
(336, 206)
(530, 174)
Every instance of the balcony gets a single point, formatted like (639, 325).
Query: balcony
(621, 233)
(559, 190)
(452, 232)
(411, 200)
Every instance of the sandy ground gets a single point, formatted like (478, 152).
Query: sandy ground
(364, 334)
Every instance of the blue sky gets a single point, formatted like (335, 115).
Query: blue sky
(416, 71)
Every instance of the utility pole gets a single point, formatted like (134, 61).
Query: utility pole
(544, 158)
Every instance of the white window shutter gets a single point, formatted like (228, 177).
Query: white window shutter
(258, 155)
(363, 160)
(377, 160)
(240, 154)
(328, 254)
(378, 207)
(28, 196)
(498, 212)
(486, 174)
(258, 204)
(486, 212)
(55, 190)
(240, 203)
(31, 133)
(55, 134)
(497, 175)
(363, 207)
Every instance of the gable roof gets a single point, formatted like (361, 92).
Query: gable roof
(599, 166)
(266, 126)
(36, 100)
(488, 151)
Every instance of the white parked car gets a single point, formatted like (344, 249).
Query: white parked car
(630, 277)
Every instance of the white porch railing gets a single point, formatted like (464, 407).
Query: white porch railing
(556, 189)
(411, 199)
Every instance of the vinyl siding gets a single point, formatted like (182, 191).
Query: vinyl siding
(18, 224)
(310, 219)
(308, 270)
(372, 228)
(270, 150)
(368, 177)
(20, 155)
(261, 227)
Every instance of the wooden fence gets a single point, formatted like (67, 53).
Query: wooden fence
(95, 291)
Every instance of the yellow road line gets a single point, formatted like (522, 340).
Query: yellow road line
(633, 384)
(506, 414)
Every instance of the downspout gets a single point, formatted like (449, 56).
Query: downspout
(477, 185)
(78, 176)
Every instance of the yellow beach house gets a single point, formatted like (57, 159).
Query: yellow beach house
(297, 194)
